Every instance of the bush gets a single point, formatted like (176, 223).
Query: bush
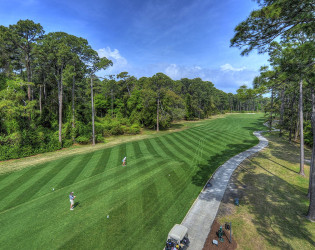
(82, 139)
(99, 138)
(117, 130)
(67, 143)
(134, 129)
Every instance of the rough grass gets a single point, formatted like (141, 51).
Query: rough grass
(273, 201)
(164, 175)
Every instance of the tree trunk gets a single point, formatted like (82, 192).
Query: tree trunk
(301, 130)
(60, 90)
(313, 150)
(45, 94)
(92, 102)
(254, 105)
(281, 111)
(311, 209)
(291, 118)
(271, 110)
(297, 129)
(40, 99)
(73, 108)
(157, 114)
(28, 69)
(128, 88)
(112, 101)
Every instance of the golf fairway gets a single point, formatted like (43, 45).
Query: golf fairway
(131, 207)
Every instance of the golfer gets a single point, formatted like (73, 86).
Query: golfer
(72, 197)
(124, 161)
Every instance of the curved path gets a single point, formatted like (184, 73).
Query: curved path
(200, 217)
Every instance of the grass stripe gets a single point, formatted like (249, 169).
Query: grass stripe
(166, 150)
(75, 172)
(122, 196)
(121, 154)
(102, 162)
(136, 149)
(36, 186)
(188, 153)
(192, 144)
(150, 147)
(148, 194)
(28, 174)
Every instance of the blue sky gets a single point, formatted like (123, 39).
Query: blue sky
(181, 38)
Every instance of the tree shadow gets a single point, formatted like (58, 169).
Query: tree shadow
(257, 125)
(279, 197)
(175, 126)
(264, 157)
(205, 171)
(277, 207)
(283, 149)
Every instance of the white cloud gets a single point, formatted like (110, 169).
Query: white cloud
(119, 62)
(229, 67)
(177, 72)
(172, 71)
(228, 80)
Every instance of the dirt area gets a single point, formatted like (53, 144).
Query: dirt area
(213, 236)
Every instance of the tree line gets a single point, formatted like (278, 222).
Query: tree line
(51, 96)
(285, 29)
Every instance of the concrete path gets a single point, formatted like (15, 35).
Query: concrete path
(200, 217)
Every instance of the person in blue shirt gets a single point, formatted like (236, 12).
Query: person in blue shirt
(71, 197)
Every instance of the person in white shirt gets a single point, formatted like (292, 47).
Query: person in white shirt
(124, 161)
(71, 197)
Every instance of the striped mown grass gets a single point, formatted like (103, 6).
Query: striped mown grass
(163, 177)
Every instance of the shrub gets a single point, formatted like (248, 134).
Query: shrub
(99, 138)
(117, 130)
(67, 143)
(134, 129)
(82, 139)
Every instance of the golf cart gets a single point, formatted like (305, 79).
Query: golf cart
(177, 238)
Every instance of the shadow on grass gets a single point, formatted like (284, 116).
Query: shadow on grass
(286, 151)
(76, 204)
(280, 165)
(206, 170)
(277, 207)
(257, 125)
(175, 126)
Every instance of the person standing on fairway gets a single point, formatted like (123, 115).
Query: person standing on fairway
(72, 197)
(124, 161)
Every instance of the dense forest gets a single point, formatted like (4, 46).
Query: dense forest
(51, 96)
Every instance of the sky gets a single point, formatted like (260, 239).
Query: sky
(180, 38)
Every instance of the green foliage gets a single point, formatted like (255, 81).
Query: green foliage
(45, 94)
(308, 133)
(27, 143)
(83, 139)
(275, 18)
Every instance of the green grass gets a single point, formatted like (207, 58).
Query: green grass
(163, 177)
(273, 202)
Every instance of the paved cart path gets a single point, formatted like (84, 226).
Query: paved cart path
(201, 215)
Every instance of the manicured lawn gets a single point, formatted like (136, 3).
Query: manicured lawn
(163, 177)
